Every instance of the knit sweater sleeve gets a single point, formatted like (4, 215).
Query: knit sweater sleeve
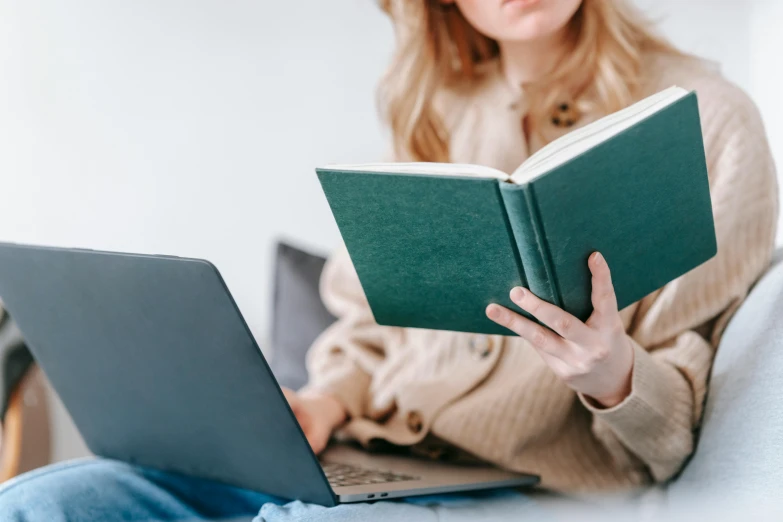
(342, 359)
(676, 330)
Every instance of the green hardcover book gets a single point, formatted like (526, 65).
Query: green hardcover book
(434, 244)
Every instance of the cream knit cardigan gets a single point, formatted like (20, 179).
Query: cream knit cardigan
(449, 394)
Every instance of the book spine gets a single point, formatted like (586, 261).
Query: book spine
(512, 238)
(523, 217)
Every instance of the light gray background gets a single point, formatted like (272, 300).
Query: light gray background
(192, 127)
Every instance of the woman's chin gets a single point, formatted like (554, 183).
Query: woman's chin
(529, 28)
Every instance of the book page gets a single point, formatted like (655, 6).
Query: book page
(581, 140)
(426, 169)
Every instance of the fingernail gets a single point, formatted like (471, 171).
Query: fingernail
(598, 258)
(493, 311)
(517, 293)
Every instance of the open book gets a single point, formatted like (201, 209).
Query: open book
(434, 243)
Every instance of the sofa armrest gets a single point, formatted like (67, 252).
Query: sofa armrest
(739, 452)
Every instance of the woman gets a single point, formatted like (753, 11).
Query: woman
(598, 406)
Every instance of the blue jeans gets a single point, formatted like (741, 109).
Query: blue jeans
(99, 489)
(103, 490)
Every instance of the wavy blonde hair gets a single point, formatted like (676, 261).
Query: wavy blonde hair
(437, 48)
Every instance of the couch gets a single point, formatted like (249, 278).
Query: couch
(740, 449)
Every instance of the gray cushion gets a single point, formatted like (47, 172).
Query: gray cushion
(740, 452)
(15, 359)
(298, 315)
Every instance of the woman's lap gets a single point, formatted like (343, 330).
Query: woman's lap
(98, 489)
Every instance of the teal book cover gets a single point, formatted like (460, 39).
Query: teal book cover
(433, 250)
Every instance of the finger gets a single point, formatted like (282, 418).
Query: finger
(317, 442)
(565, 324)
(535, 334)
(292, 399)
(288, 393)
(603, 296)
(318, 438)
(314, 442)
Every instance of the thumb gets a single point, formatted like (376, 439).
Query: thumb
(290, 396)
(317, 436)
(295, 403)
(603, 296)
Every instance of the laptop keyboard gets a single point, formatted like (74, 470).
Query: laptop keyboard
(348, 475)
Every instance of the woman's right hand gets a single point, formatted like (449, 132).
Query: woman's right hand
(318, 415)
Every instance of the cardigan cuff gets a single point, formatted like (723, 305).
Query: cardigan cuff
(658, 408)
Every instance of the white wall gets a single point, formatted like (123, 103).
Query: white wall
(186, 127)
(191, 127)
(183, 127)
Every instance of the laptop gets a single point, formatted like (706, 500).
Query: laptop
(157, 367)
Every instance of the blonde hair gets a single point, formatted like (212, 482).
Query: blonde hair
(437, 47)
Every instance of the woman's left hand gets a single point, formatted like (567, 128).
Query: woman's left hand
(594, 358)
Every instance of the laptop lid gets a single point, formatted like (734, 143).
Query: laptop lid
(157, 367)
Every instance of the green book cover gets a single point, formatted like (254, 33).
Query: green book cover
(434, 244)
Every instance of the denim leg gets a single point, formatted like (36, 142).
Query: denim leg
(100, 489)
(505, 505)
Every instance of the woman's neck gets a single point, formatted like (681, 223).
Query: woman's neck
(528, 61)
